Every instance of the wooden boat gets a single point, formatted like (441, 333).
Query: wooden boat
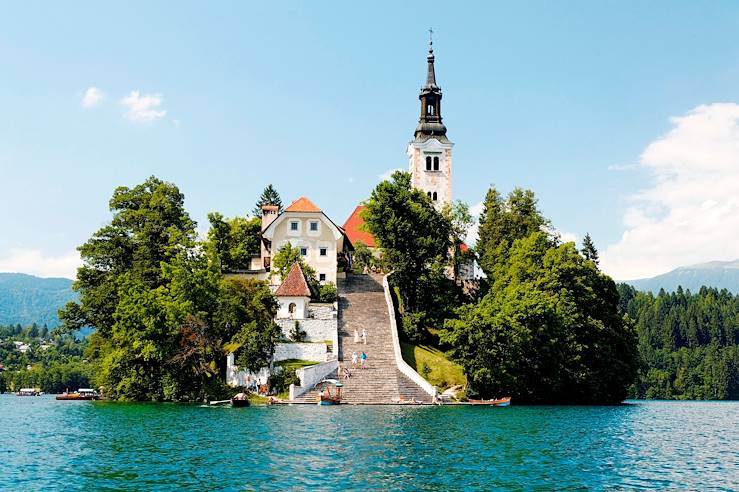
(500, 402)
(240, 400)
(81, 394)
(28, 392)
(324, 392)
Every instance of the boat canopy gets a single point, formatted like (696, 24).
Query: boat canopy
(27, 390)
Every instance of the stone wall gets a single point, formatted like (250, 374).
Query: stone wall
(309, 376)
(303, 351)
(236, 377)
(317, 330)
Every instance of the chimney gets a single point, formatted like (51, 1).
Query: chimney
(269, 214)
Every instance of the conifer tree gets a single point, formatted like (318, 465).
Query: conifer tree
(588, 249)
(269, 197)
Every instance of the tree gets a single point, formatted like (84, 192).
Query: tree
(268, 197)
(548, 331)
(460, 220)
(363, 258)
(233, 242)
(588, 249)
(286, 257)
(149, 227)
(503, 221)
(411, 233)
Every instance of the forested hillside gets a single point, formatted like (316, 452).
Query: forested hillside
(688, 343)
(25, 299)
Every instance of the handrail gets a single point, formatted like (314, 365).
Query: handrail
(400, 362)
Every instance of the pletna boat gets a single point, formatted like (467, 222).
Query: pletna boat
(325, 396)
(500, 402)
(240, 400)
(80, 395)
(28, 392)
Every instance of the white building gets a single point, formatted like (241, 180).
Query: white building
(305, 226)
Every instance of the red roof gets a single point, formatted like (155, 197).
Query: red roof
(355, 232)
(302, 204)
(295, 284)
(463, 247)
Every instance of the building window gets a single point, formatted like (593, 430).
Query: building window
(304, 251)
(430, 109)
(433, 197)
(428, 163)
(323, 251)
(321, 277)
(314, 226)
(428, 193)
(294, 226)
(436, 163)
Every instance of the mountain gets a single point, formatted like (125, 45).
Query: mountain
(26, 299)
(719, 274)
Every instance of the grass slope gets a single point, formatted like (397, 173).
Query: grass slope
(441, 372)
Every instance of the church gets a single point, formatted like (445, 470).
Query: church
(327, 248)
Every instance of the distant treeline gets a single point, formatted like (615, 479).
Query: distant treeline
(51, 361)
(688, 343)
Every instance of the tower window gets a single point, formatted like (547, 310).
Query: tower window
(433, 197)
(428, 163)
(430, 109)
(436, 163)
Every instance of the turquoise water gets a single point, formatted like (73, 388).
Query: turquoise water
(104, 445)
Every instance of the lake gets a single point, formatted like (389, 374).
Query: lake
(106, 445)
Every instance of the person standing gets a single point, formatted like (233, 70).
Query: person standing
(354, 360)
(356, 336)
(364, 335)
(364, 359)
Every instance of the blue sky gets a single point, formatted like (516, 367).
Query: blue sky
(321, 99)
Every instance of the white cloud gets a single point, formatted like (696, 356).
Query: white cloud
(92, 97)
(143, 108)
(568, 237)
(388, 174)
(34, 262)
(690, 213)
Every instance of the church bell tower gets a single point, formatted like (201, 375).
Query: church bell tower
(430, 152)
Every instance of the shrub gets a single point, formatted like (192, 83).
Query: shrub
(297, 334)
(328, 293)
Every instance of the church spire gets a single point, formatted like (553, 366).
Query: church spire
(429, 124)
(431, 77)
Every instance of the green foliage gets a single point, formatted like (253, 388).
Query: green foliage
(548, 331)
(164, 314)
(233, 242)
(588, 249)
(286, 257)
(297, 334)
(688, 343)
(502, 222)
(363, 258)
(268, 197)
(415, 240)
(328, 293)
(458, 216)
(55, 361)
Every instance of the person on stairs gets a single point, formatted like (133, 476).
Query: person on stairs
(354, 360)
(364, 335)
(356, 336)
(364, 360)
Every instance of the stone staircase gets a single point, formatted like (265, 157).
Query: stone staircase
(362, 305)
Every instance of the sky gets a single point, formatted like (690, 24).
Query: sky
(623, 116)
